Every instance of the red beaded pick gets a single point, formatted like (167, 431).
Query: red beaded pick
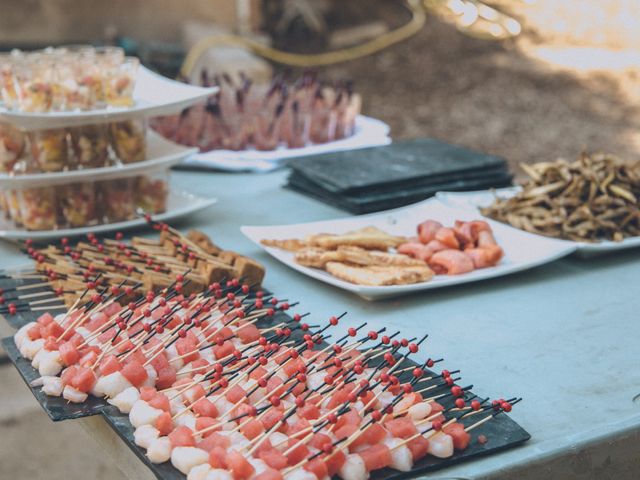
(445, 373)
(297, 317)
(352, 332)
(337, 348)
(407, 388)
(456, 391)
(460, 403)
(331, 418)
(376, 415)
(327, 448)
(413, 348)
(506, 406)
(275, 400)
(385, 340)
(328, 379)
(300, 402)
(418, 372)
(182, 333)
(373, 335)
(404, 342)
(437, 425)
(430, 363)
(333, 321)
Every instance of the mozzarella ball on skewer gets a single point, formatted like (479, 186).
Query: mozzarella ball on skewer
(257, 464)
(199, 472)
(51, 385)
(441, 446)
(73, 395)
(50, 363)
(300, 474)
(159, 450)
(401, 458)
(30, 348)
(219, 474)
(172, 355)
(419, 411)
(185, 458)
(21, 335)
(110, 385)
(143, 414)
(144, 435)
(152, 376)
(187, 419)
(353, 468)
(124, 400)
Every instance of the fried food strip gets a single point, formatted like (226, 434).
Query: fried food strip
(289, 244)
(379, 275)
(370, 238)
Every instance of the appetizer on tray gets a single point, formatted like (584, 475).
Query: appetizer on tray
(218, 381)
(398, 252)
(370, 256)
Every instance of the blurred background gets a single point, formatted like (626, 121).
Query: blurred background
(528, 80)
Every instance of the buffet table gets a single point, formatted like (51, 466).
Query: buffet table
(563, 336)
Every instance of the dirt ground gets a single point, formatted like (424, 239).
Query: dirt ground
(513, 99)
(507, 98)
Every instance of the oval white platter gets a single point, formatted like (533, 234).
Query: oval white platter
(369, 132)
(179, 204)
(153, 95)
(522, 250)
(472, 201)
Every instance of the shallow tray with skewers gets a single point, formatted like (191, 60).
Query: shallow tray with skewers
(498, 433)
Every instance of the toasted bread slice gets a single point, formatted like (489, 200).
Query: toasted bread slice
(379, 275)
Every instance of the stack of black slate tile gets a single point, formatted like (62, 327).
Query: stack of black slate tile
(380, 178)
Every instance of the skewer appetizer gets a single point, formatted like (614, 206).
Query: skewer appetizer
(216, 383)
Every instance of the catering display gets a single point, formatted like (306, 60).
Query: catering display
(75, 153)
(396, 252)
(218, 381)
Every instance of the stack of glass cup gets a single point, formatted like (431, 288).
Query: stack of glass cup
(73, 79)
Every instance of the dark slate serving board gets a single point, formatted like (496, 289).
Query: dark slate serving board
(23, 317)
(360, 204)
(57, 408)
(391, 166)
(502, 432)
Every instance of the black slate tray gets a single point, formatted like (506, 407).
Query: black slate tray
(21, 318)
(502, 432)
(360, 204)
(400, 164)
(57, 408)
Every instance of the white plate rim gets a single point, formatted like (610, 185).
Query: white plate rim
(254, 233)
(175, 153)
(584, 248)
(195, 203)
(36, 120)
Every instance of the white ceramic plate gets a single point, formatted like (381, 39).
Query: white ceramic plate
(369, 133)
(179, 204)
(153, 95)
(522, 250)
(161, 153)
(473, 200)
